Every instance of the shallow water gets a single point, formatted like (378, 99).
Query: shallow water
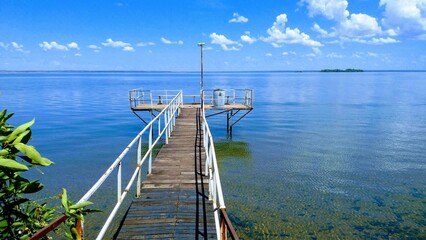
(323, 155)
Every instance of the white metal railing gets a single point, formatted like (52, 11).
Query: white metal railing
(164, 122)
(215, 187)
(151, 97)
(232, 96)
(156, 97)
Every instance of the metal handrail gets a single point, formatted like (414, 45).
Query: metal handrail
(165, 121)
(215, 187)
(155, 97)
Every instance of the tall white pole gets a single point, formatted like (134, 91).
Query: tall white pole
(202, 76)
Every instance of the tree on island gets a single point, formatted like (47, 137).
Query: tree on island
(342, 70)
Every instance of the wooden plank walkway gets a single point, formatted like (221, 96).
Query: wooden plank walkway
(167, 208)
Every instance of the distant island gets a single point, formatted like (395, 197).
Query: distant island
(342, 70)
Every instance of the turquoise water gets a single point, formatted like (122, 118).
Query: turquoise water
(324, 155)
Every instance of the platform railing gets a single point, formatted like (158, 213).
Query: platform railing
(152, 97)
(222, 222)
(164, 122)
(158, 97)
(232, 96)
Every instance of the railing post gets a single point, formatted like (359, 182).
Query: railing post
(150, 147)
(139, 182)
(165, 127)
(223, 229)
(119, 182)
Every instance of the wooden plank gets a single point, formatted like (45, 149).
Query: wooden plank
(167, 207)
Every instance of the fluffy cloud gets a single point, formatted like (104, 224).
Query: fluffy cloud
(331, 9)
(73, 45)
(406, 17)
(238, 19)
(46, 46)
(115, 44)
(357, 27)
(94, 47)
(14, 46)
(334, 55)
(127, 47)
(377, 41)
(224, 42)
(144, 44)
(279, 34)
(289, 53)
(248, 39)
(166, 41)
(360, 26)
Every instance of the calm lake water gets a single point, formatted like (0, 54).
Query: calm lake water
(323, 155)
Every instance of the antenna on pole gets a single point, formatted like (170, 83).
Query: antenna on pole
(202, 76)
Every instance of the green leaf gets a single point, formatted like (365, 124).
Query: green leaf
(19, 130)
(21, 136)
(12, 164)
(3, 113)
(4, 152)
(65, 199)
(32, 153)
(33, 187)
(80, 205)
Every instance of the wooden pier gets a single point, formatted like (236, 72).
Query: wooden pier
(174, 202)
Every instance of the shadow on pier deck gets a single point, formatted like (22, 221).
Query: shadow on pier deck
(168, 206)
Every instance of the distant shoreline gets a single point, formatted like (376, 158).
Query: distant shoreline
(342, 70)
(259, 71)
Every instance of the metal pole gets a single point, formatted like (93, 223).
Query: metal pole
(202, 76)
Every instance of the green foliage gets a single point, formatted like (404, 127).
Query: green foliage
(20, 217)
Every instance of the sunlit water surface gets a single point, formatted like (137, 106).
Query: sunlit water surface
(323, 155)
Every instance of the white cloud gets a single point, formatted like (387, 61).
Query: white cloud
(144, 44)
(331, 9)
(238, 19)
(377, 41)
(248, 39)
(166, 41)
(14, 46)
(78, 55)
(224, 42)
(288, 53)
(268, 54)
(115, 44)
(357, 27)
(92, 46)
(46, 46)
(405, 16)
(127, 47)
(318, 29)
(334, 55)
(316, 51)
(19, 47)
(279, 34)
(372, 54)
(3, 45)
(73, 45)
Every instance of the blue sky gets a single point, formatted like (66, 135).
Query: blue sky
(239, 34)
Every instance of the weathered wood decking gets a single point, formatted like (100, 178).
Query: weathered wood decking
(159, 107)
(167, 208)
